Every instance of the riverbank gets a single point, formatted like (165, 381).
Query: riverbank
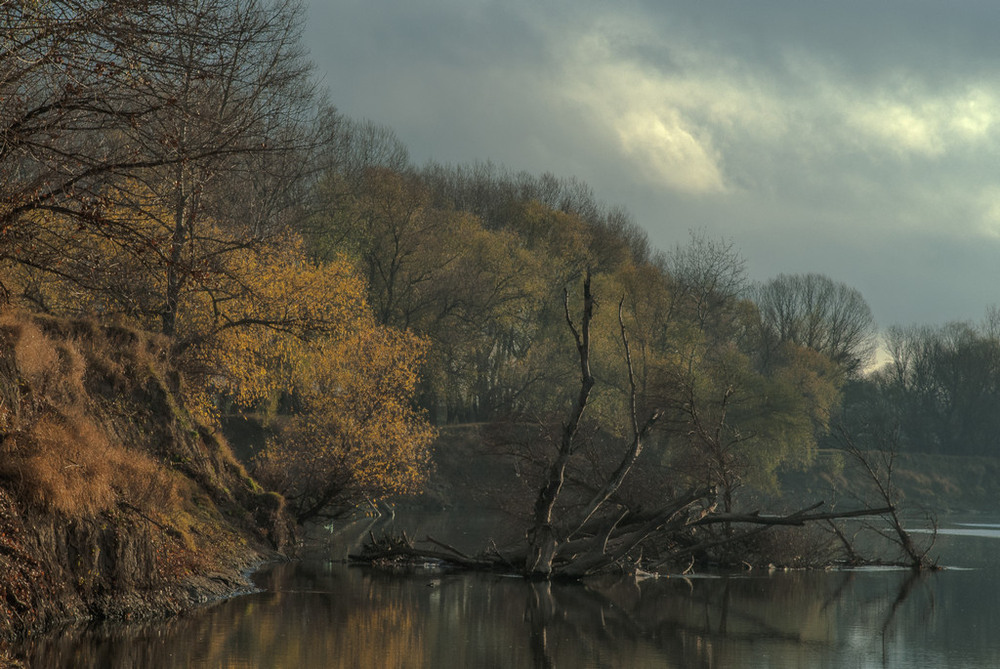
(116, 500)
(925, 483)
(468, 474)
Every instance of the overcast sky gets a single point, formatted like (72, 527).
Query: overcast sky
(857, 139)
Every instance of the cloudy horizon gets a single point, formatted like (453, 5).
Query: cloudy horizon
(852, 139)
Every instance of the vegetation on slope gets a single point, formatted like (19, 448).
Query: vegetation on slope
(114, 499)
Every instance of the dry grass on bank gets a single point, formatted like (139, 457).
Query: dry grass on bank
(55, 454)
(114, 499)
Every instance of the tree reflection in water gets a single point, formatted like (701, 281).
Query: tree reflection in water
(329, 615)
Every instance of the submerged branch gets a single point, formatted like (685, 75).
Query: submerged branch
(798, 518)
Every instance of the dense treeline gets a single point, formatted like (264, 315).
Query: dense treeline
(939, 391)
(476, 261)
(169, 166)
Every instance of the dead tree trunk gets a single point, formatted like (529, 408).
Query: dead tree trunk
(542, 536)
(597, 538)
(612, 485)
(545, 545)
(878, 465)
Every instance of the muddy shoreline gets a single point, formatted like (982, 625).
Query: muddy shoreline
(154, 604)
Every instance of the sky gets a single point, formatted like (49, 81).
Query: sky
(856, 139)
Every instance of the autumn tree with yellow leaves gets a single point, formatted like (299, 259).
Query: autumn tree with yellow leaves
(155, 183)
(307, 331)
(260, 321)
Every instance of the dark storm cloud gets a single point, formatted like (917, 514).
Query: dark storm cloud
(863, 39)
(854, 138)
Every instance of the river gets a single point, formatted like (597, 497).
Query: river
(318, 612)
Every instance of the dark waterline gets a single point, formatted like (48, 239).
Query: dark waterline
(319, 613)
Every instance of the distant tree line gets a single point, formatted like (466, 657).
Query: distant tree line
(938, 392)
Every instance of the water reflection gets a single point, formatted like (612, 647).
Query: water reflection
(323, 614)
(316, 615)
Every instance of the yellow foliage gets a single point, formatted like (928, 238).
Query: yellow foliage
(252, 321)
(358, 435)
(257, 343)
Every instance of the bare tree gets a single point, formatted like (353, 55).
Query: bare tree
(235, 81)
(193, 114)
(577, 528)
(67, 75)
(876, 457)
(814, 311)
(709, 277)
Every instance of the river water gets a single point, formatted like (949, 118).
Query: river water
(319, 612)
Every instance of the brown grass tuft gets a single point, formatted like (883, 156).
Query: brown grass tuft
(36, 355)
(61, 458)
(66, 464)
(53, 369)
(59, 465)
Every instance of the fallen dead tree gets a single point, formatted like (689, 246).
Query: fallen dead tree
(600, 533)
(597, 553)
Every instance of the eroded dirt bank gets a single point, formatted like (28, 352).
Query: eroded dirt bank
(116, 499)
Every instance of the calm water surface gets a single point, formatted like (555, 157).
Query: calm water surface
(320, 613)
